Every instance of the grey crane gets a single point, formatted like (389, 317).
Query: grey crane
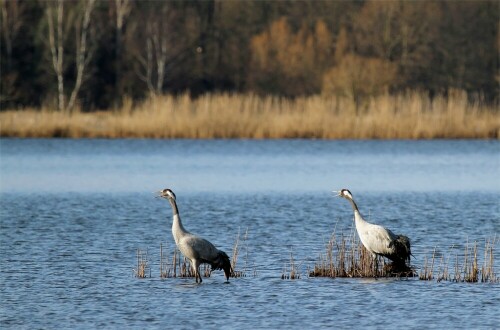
(379, 240)
(198, 250)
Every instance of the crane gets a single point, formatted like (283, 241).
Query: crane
(379, 240)
(198, 250)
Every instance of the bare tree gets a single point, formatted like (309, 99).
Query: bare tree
(57, 48)
(83, 55)
(56, 42)
(160, 49)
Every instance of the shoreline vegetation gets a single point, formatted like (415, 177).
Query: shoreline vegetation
(411, 115)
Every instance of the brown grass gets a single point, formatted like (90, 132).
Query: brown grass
(291, 270)
(466, 267)
(142, 264)
(406, 116)
(238, 245)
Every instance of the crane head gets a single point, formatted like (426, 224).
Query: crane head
(167, 194)
(344, 193)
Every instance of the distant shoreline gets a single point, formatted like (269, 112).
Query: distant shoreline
(247, 116)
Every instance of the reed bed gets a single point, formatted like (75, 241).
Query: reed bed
(411, 115)
(347, 257)
(466, 267)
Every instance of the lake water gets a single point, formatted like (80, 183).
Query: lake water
(74, 212)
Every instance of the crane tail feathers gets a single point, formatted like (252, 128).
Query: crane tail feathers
(222, 262)
(402, 249)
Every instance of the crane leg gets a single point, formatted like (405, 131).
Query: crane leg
(196, 269)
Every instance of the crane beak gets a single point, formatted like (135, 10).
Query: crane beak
(158, 194)
(337, 193)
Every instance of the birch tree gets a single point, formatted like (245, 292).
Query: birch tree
(160, 49)
(57, 38)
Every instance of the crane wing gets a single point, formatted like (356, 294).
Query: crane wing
(195, 247)
(378, 239)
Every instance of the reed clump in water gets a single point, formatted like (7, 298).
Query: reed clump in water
(290, 270)
(238, 244)
(142, 264)
(411, 115)
(428, 268)
(466, 267)
(347, 257)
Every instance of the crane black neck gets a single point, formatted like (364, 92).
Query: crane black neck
(353, 204)
(175, 210)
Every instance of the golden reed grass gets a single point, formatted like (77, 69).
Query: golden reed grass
(142, 264)
(291, 270)
(411, 115)
(466, 266)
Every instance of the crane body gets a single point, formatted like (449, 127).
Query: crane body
(377, 239)
(197, 249)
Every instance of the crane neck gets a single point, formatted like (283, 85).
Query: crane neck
(175, 210)
(177, 228)
(358, 218)
(353, 204)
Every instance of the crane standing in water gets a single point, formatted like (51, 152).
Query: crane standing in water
(379, 240)
(198, 250)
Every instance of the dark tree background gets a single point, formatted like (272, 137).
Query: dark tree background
(134, 49)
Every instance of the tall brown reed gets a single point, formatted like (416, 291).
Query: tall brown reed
(466, 266)
(427, 271)
(488, 270)
(142, 264)
(411, 115)
(238, 244)
(291, 270)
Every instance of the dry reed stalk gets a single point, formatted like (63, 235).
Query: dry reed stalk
(466, 269)
(487, 270)
(427, 274)
(236, 251)
(411, 115)
(142, 264)
(457, 276)
(290, 272)
(167, 269)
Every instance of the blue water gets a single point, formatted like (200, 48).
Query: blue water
(74, 212)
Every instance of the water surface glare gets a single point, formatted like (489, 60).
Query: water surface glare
(74, 212)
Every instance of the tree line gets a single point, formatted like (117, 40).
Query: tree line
(95, 54)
